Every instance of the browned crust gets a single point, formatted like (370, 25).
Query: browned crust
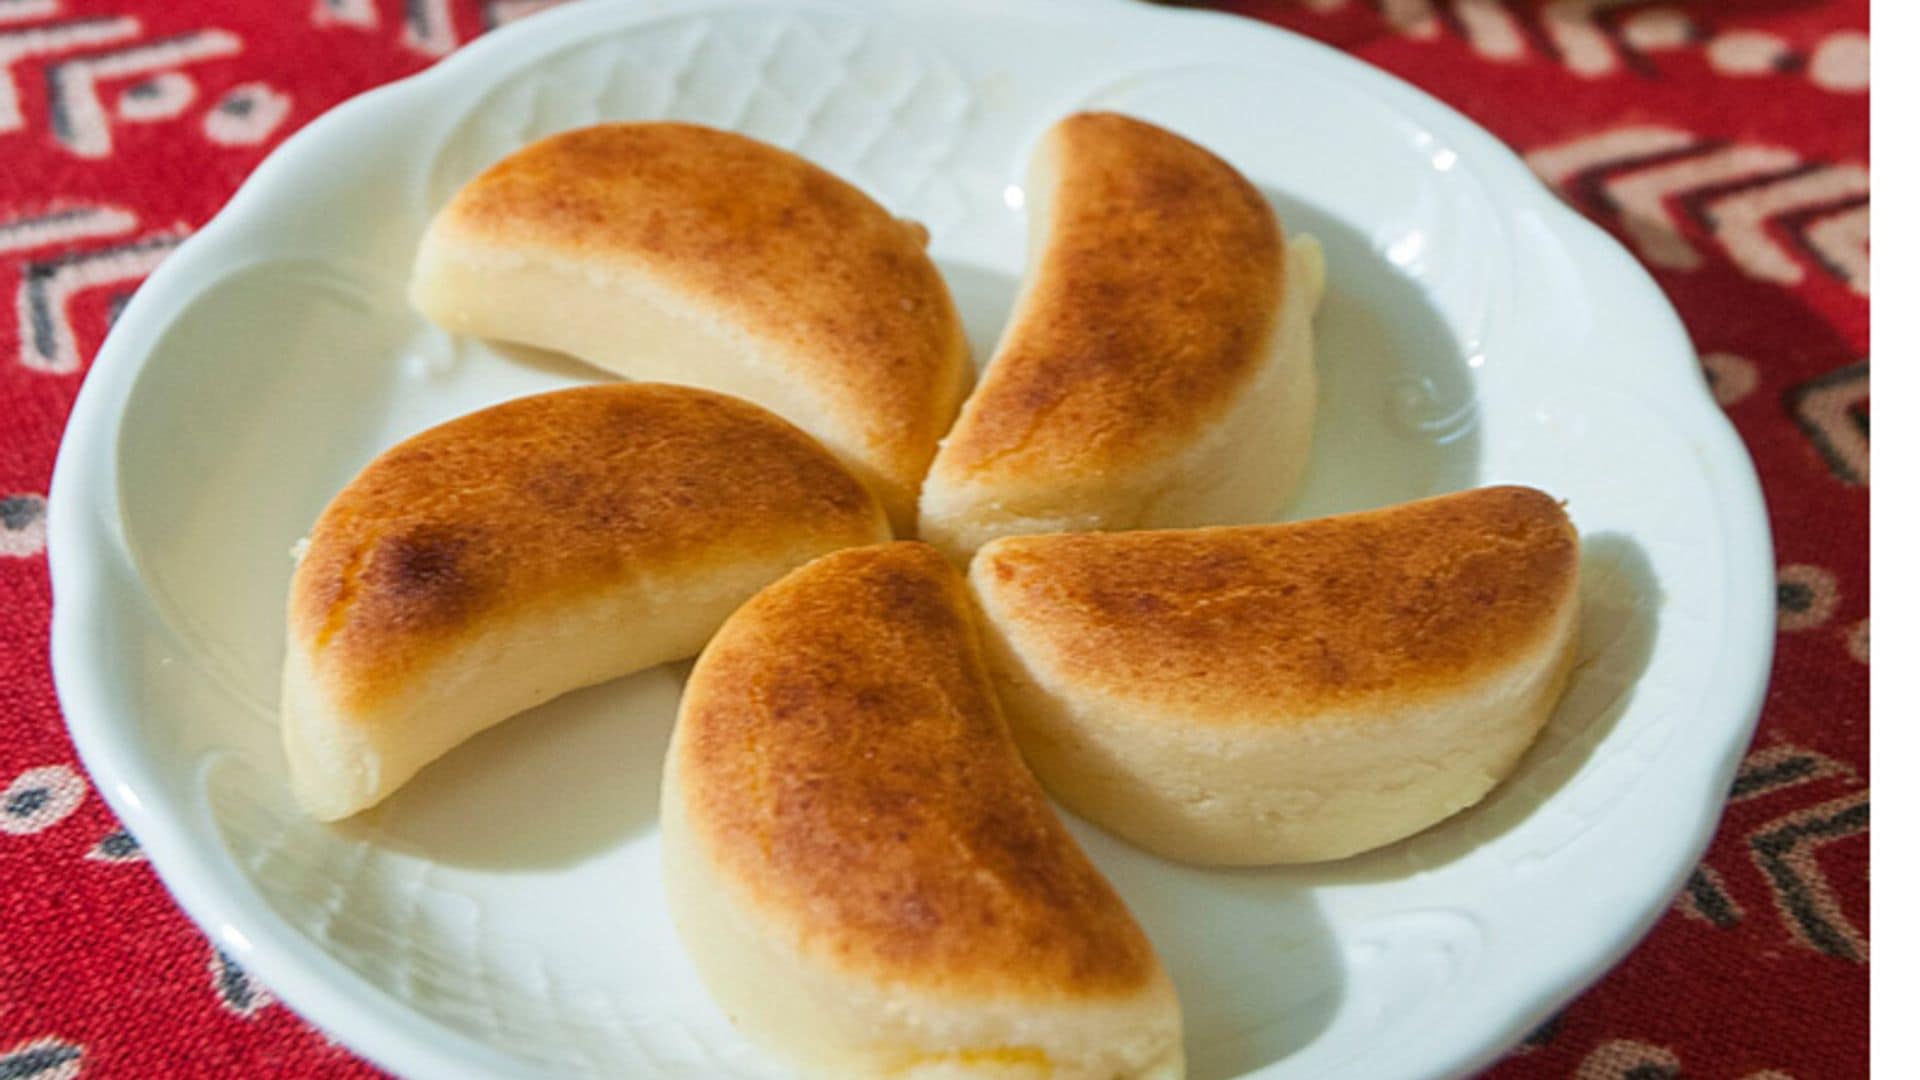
(767, 240)
(844, 760)
(549, 496)
(1156, 290)
(1283, 621)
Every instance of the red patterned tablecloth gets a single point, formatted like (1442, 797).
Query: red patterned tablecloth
(1725, 143)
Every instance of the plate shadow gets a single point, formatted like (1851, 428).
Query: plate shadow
(1250, 954)
(985, 298)
(1620, 600)
(551, 787)
(1397, 417)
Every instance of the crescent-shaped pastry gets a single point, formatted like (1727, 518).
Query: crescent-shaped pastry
(1285, 693)
(1157, 370)
(678, 253)
(504, 558)
(868, 878)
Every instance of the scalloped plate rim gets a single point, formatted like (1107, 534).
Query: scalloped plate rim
(86, 549)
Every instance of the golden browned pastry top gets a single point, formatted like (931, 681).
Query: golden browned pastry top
(543, 497)
(1149, 305)
(756, 236)
(1260, 620)
(843, 759)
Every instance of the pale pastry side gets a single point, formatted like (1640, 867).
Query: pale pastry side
(1157, 370)
(866, 875)
(1285, 693)
(679, 253)
(506, 557)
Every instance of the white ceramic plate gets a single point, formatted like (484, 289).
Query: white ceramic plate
(503, 916)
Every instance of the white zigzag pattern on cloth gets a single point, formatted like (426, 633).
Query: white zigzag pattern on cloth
(61, 224)
(25, 10)
(1495, 32)
(1673, 164)
(1575, 33)
(1841, 240)
(16, 45)
(1643, 196)
(1414, 18)
(47, 339)
(1824, 408)
(429, 24)
(1584, 47)
(1784, 850)
(79, 118)
(1742, 219)
(1556, 163)
(1656, 29)
(1490, 29)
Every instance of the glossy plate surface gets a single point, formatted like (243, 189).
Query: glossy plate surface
(502, 915)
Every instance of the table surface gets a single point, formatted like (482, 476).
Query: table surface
(1726, 144)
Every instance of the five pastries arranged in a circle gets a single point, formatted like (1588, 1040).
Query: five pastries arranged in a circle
(859, 851)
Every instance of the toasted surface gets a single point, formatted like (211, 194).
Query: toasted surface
(843, 764)
(523, 505)
(1152, 294)
(729, 231)
(1284, 623)
(1285, 693)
